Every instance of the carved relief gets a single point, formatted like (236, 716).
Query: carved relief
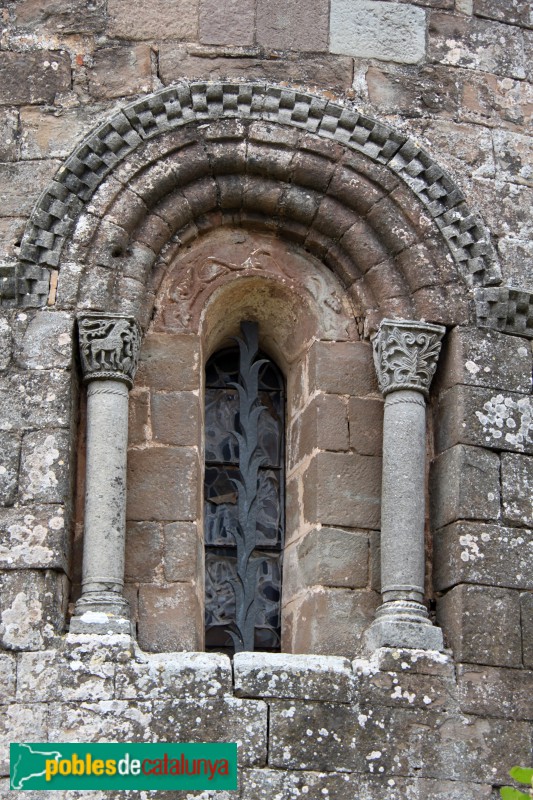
(109, 347)
(405, 355)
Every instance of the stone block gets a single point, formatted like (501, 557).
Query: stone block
(169, 617)
(175, 418)
(183, 551)
(33, 538)
(6, 340)
(33, 604)
(322, 424)
(169, 362)
(464, 484)
(120, 71)
(328, 557)
(162, 484)
(513, 12)
(374, 29)
(403, 690)
(495, 692)
(35, 400)
(99, 721)
(22, 183)
(408, 662)
(48, 133)
(472, 552)
(33, 76)
(342, 368)
(526, 615)
(9, 122)
(334, 71)
(59, 18)
(160, 676)
(9, 467)
(227, 23)
(517, 489)
(8, 670)
(44, 467)
(482, 625)
(138, 416)
(331, 621)
(208, 719)
(21, 723)
(51, 677)
(480, 357)
(428, 88)
(475, 44)
(291, 26)
(486, 418)
(513, 157)
(144, 551)
(128, 20)
(299, 677)
(315, 736)
(513, 254)
(511, 219)
(343, 489)
(47, 342)
(365, 417)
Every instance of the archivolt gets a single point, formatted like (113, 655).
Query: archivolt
(364, 199)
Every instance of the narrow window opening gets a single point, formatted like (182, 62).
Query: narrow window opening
(243, 497)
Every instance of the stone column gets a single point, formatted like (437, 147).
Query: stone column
(109, 348)
(405, 357)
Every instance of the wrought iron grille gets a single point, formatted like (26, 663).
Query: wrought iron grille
(243, 497)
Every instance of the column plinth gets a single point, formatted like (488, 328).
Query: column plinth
(405, 356)
(109, 347)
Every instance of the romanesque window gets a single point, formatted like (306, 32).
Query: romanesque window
(243, 497)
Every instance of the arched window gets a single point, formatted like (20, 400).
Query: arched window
(243, 497)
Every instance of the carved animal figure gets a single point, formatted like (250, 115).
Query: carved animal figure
(109, 351)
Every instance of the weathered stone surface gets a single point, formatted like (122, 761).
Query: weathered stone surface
(514, 253)
(403, 690)
(144, 551)
(162, 484)
(513, 157)
(8, 669)
(476, 44)
(22, 183)
(159, 676)
(61, 18)
(486, 418)
(138, 416)
(54, 132)
(495, 692)
(99, 721)
(21, 723)
(378, 30)
(464, 484)
(327, 557)
(120, 71)
(482, 625)
(9, 122)
(322, 424)
(33, 538)
(282, 675)
(517, 489)
(227, 23)
(343, 489)
(333, 71)
(128, 20)
(526, 610)
(365, 416)
(183, 551)
(50, 676)
(291, 26)
(316, 736)
(169, 362)
(407, 661)
(169, 617)
(342, 368)
(9, 466)
(32, 610)
(511, 219)
(175, 418)
(472, 552)
(514, 12)
(33, 77)
(480, 357)
(47, 342)
(489, 99)
(44, 467)
(353, 611)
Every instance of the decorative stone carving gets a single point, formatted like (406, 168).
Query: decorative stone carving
(505, 308)
(405, 355)
(109, 347)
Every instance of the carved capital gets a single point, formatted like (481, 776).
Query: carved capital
(405, 355)
(109, 347)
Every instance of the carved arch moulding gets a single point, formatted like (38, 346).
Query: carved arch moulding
(365, 200)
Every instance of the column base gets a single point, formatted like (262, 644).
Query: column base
(391, 632)
(101, 612)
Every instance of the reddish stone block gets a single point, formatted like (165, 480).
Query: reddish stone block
(138, 421)
(289, 25)
(323, 425)
(365, 416)
(169, 618)
(175, 418)
(227, 22)
(163, 484)
(183, 551)
(342, 368)
(169, 362)
(130, 19)
(144, 551)
(33, 76)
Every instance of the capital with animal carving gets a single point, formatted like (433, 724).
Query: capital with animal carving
(109, 346)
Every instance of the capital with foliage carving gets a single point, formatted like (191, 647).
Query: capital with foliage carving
(406, 354)
(109, 347)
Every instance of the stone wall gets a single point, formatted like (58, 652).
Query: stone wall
(393, 148)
